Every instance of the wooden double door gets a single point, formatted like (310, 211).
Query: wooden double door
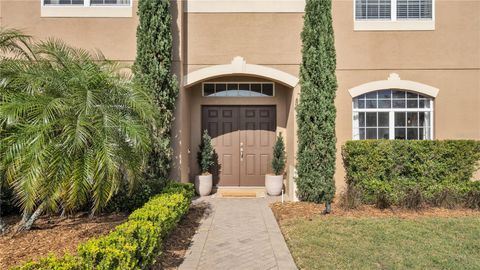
(243, 138)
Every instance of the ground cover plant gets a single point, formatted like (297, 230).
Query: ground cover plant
(134, 244)
(371, 238)
(412, 174)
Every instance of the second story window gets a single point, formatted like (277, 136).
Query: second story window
(86, 8)
(373, 15)
(63, 2)
(110, 2)
(373, 9)
(86, 3)
(393, 9)
(414, 9)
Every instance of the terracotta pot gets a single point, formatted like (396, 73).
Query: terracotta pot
(274, 184)
(203, 184)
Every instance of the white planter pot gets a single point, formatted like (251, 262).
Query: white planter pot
(203, 184)
(274, 184)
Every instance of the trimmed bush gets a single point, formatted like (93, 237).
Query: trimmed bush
(413, 173)
(134, 244)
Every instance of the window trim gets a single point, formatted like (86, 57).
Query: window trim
(237, 82)
(86, 10)
(393, 24)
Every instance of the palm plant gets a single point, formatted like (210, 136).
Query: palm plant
(74, 127)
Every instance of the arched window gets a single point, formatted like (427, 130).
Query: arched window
(392, 114)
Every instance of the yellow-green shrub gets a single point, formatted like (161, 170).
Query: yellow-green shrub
(132, 245)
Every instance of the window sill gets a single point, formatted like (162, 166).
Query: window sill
(87, 11)
(426, 25)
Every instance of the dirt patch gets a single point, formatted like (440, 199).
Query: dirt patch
(178, 242)
(290, 210)
(52, 235)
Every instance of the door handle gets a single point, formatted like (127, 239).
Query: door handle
(241, 151)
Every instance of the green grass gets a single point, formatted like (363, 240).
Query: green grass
(384, 243)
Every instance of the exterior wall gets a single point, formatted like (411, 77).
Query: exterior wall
(447, 58)
(115, 37)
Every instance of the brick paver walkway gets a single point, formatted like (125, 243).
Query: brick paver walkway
(238, 234)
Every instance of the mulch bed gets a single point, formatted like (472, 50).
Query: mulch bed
(52, 235)
(307, 210)
(179, 240)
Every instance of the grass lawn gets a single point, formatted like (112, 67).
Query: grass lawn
(340, 242)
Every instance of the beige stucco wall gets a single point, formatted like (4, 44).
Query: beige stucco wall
(447, 58)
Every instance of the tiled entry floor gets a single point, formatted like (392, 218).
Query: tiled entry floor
(238, 234)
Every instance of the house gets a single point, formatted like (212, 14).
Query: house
(406, 69)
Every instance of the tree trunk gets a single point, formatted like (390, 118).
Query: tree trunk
(3, 226)
(328, 208)
(27, 222)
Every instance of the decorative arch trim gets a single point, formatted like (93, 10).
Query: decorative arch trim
(394, 82)
(239, 66)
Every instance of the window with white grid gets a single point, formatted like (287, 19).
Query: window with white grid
(393, 10)
(392, 114)
(414, 9)
(86, 3)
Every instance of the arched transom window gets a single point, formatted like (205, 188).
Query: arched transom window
(392, 114)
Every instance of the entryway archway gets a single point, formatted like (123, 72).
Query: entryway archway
(243, 107)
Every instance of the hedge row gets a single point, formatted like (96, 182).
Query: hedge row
(132, 245)
(412, 173)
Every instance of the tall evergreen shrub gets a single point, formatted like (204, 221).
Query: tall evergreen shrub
(153, 72)
(316, 110)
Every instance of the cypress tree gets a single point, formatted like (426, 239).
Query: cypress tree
(316, 110)
(153, 72)
(278, 159)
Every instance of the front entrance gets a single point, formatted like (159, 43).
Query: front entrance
(243, 138)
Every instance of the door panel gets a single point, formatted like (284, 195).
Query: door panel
(257, 136)
(243, 138)
(222, 125)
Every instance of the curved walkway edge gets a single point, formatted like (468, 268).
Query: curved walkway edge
(238, 234)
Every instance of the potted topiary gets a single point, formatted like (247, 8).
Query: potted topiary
(274, 182)
(203, 182)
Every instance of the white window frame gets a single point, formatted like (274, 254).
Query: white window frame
(86, 10)
(394, 24)
(391, 111)
(272, 83)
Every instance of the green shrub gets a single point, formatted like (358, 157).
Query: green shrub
(134, 244)
(153, 70)
(316, 109)
(472, 197)
(128, 199)
(205, 153)
(278, 160)
(52, 262)
(413, 173)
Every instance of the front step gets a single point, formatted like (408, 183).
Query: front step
(240, 192)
